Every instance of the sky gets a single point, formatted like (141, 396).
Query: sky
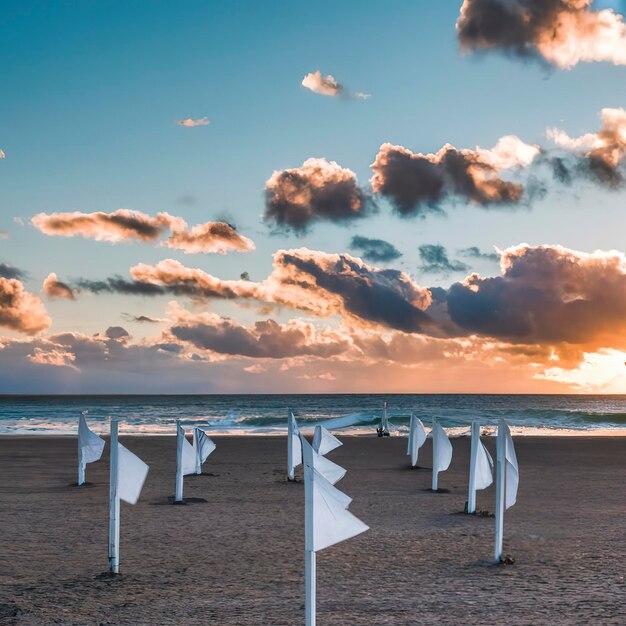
(230, 197)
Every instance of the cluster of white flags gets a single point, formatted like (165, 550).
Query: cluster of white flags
(90, 447)
(417, 437)
(189, 458)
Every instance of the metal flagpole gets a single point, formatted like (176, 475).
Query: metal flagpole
(114, 503)
(179, 462)
(434, 483)
(500, 480)
(309, 552)
(475, 442)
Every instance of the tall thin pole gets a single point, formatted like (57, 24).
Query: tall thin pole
(309, 553)
(471, 496)
(81, 465)
(196, 446)
(114, 504)
(291, 475)
(500, 479)
(179, 462)
(435, 470)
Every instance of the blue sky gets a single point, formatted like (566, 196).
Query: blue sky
(91, 92)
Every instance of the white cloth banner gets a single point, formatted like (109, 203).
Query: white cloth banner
(131, 475)
(417, 437)
(91, 446)
(324, 441)
(205, 444)
(484, 467)
(332, 472)
(189, 454)
(293, 441)
(512, 468)
(442, 448)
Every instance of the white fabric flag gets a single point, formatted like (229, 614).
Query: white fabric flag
(189, 454)
(91, 446)
(512, 469)
(332, 472)
(205, 444)
(131, 475)
(332, 522)
(417, 437)
(324, 441)
(484, 467)
(294, 442)
(442, 448)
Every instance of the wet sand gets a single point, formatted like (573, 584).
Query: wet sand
(238, 558)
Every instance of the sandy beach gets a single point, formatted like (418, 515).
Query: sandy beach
(238, 557)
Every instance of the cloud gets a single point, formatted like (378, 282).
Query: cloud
(120, 225)
(375, 250)
(417, 183)
(21, 311)
(329, 86)
(126, 225)
(435, 260)
(141, 319)
(547, 295)
(9, 271)
(561, 33)
(4, 234)
(212, 237)
(191, 122)
(266, 339)
(473, 252)
(54, 288)
(599, 156)
(117, 333)
(2, 155)
(319, 190)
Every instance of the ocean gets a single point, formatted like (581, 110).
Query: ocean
(354, 413)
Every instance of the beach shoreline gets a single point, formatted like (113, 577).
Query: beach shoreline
(238, 557)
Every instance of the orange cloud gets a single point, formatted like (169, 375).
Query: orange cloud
(214, 237)
(559, 32)
(54, 288)
(190, 122)
(21, 311)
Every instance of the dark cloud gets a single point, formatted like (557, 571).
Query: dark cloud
(266, 339)
(417, 183)
(116, 332)
(435, 260)
(473, 252)
(375, 250)
(320, 190)
(9, 271)
(141, 319)
(557, 32)
(54, 288)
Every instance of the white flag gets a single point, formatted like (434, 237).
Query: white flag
(484, 467)
(442, 448)
(131, 474)
(512, 469)
(294, 447)
(205, 444)
(332, 472)
(91, 446)
(417, 437)
(189, 454)
(331, 521)
(324, 441)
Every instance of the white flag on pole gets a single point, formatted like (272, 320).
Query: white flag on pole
(91, 446)
(484, 467)
(294, 447)
(189, 454)
(417, 437)
(205, 444)
(131, 474)
(442, 448)
(331, 520)
(324, 441)
(512, 469)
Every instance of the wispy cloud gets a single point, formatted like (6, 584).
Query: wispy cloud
(435, 260)
(190, 122)
(375, 250)
(54, 288)
(473, 252)
(329, 86)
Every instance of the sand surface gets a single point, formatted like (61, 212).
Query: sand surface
(238, 558)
